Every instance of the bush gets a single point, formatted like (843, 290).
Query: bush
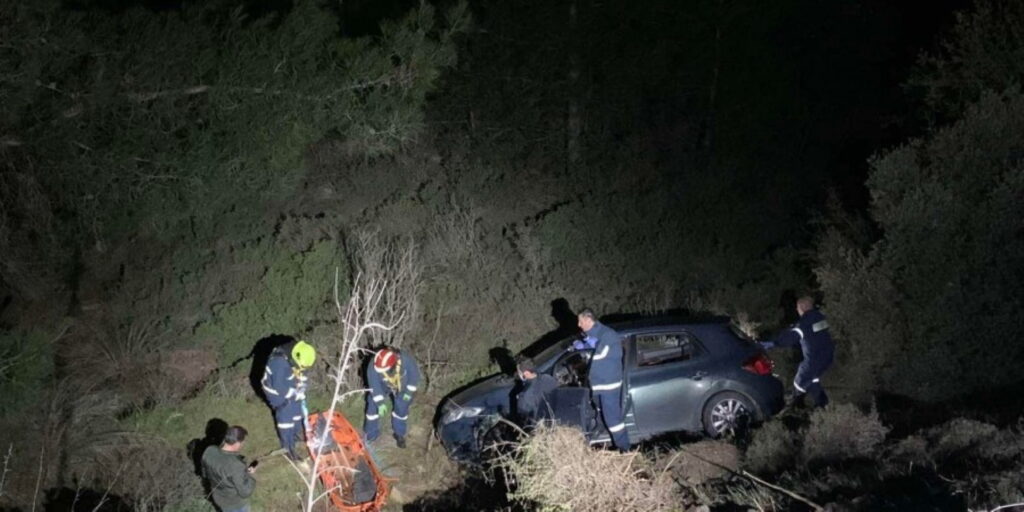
(911, 450)
(957, 437)
(841, 432)
(773, 448)
(26, 366)
(558, 470)
(949, 206)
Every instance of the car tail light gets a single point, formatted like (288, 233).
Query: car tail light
(759, 364)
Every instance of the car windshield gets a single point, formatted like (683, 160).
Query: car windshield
(544, 352)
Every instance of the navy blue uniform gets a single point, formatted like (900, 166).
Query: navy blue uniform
(285, 388)
(606, 382)
(532, 401)
(400, 391)
(812, 333)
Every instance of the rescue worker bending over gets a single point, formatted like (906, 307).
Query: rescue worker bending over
(811, 332)
(392, 374)
(532, 400)
(284, 384)
(606, 376)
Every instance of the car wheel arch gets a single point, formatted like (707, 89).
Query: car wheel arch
(716, 394)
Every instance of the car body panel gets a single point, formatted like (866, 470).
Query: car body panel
(671, 370)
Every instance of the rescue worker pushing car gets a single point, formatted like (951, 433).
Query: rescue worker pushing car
(284, 384)
(811, 332)
(606, 376)
(392, 374)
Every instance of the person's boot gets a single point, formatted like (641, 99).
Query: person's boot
(400, 441)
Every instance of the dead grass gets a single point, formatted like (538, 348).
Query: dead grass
(703, 461)
(557, 470)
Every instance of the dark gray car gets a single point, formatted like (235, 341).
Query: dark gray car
(678, 376)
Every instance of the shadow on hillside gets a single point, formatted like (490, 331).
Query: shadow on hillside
(66, 499)
(216, 428)
(260, 354)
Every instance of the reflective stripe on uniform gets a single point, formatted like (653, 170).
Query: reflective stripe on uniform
(411, 388)
(601, 355)
(285, 425)
(397, 417)
(267, 370)
(798, 331)
(372, 417)
(617, 428)
(820, 326)
(271, 391)
(378, 398)
(606, 387)
(291, 392)
(297, 418)
(798, 388)
(816, 380)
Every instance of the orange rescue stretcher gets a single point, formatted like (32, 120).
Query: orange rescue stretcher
(344, 465)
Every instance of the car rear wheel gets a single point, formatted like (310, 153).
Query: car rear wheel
(727, 414)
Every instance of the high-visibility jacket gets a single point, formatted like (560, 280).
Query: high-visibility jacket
(282, 382)
(408, 380)
(606, 363)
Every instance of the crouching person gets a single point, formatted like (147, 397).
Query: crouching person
(229, 477)
(532, 401)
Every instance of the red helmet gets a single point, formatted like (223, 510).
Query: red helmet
(385, 360)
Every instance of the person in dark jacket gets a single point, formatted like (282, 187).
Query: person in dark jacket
(811, 332)
(532, 401)
(606, 376)
(392, 374)
(230, 478)
(284, 384)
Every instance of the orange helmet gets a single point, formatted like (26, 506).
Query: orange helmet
(385, 360)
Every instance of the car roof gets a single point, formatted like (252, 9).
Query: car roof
(627, 327)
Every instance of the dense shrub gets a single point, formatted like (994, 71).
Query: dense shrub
(985, 52)
(958, 437)
(929, 310)
(840, 432)
(773, 447)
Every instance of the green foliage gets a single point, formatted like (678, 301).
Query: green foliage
(170, 121)
(985, 52)
(26, 368)
(288, 296)
(932, 309)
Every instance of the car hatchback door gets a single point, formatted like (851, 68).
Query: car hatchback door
(666, 381)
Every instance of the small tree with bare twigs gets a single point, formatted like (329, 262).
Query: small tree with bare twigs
(392, 277)
(381, 301)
